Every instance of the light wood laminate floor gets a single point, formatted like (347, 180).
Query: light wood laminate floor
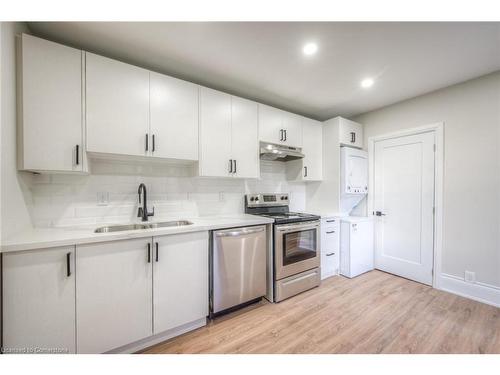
(373, 313)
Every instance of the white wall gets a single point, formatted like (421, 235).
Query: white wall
(15, 196)
(65, 200)
(471, 114)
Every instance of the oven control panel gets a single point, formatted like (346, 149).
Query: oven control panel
(263, 200)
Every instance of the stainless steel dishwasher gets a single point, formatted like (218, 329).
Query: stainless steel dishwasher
(237, 267)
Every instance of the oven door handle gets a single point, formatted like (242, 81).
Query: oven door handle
(296, 228)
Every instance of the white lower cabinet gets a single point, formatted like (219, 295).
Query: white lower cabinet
(330, 247)
(180, 280)
(113, 294)
(39, 301)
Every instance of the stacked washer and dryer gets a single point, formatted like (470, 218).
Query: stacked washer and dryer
(356, 232)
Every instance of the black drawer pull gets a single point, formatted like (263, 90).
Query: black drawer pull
(68, 264)
(330, 221)
(330, 232)
(330, 254)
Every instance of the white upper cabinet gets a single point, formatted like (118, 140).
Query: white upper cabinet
(50, 118)
(270, 124)
(229, 145)
(245, 138)
(279, 127)
(309, 168)
(215, 134)
(312, 132)
(180, 280)
(39, 299)
(117, 107)
(174, 118)
(350, 133)
(292, 125)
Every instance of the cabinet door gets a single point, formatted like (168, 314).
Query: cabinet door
(117, 107)
(313, 150)
(50, 106)
(245, 138)
(215, 133)
(180, 281)
(292, 124)
(39, 300)
(113, 294)
(270, 124)
(350, 133)
(174, 118)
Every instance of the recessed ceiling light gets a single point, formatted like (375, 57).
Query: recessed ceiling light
(310, 49)
(368, 82)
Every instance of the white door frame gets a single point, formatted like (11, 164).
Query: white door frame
(438, 129)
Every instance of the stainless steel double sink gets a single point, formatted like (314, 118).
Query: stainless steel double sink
(164, 224)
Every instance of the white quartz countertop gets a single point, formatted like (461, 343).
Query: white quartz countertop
(54, 237)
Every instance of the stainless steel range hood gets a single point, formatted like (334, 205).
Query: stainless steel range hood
(270, 151)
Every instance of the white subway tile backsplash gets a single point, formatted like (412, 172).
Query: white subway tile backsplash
(67, 200)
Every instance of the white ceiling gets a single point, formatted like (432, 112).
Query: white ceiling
(263, 61)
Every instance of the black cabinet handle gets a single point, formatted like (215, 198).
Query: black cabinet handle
(305, 171)
(330, 232)
(149, 253)
(77, 154)
(234, 166)
(285, 135)
(68, 264)
(156, 252)
(147, 141)
(330, 221)
(281, 134)
(353, 137)
(154, 147)
(230, 165)
(330, 254)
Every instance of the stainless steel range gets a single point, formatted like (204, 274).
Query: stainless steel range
(296, 240)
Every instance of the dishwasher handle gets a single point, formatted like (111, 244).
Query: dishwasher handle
(242, 232)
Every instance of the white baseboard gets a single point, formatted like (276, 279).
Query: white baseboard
(156, 339)
(480, 292)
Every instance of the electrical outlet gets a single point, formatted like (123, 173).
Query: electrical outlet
(102, 198)
(470, 276)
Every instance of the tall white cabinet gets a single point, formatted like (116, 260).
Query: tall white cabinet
(50, 107)
(39, 299)
(229, 144)
(117, 107)
(113, 294)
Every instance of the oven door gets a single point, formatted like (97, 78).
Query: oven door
(296, 248)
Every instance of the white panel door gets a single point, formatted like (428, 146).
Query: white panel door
(215, 133)
(312, 132)
(39, 299)
(51, 124)
(292, 124)
(113, 294)
(117, 102)
(180, 275)
(245, 138)
(270, 124)
(404, 197)
(174, 118)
